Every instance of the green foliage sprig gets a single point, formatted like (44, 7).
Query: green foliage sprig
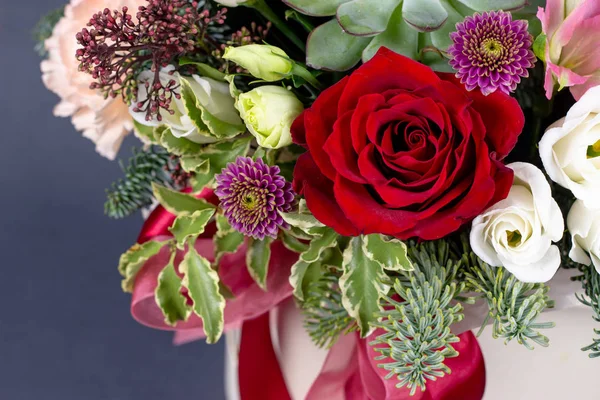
(514, 305)
(417, 325)
(325, 317)
(591, 285)
(134, 190)
(43, 30)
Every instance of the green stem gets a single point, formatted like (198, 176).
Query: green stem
(293, 14)
(537, 131)
(539, 115)
(305, 74)
(262, 7)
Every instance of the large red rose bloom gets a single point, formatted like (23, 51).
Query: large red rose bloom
(398, 149)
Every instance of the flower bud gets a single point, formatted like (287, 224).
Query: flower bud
(265, 62)
(268, 112)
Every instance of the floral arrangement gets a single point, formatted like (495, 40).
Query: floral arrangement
(389, 164)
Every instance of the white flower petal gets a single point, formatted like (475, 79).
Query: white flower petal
(540, 271)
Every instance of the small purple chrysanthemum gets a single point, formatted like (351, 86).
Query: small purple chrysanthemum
(252, 196)
(491, 51)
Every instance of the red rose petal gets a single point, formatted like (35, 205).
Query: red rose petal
(365, 107)
(501, 115)
(319, 121)
(339, 148)
(367, 214)
(387, 70)
(318, 192)
(399, 150)
(299, 131)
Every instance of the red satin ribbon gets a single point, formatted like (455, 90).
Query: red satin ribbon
(260, 377)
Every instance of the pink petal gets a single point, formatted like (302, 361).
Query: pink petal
(586, 9)
(579, 90)
(582, 53)
(552, 16)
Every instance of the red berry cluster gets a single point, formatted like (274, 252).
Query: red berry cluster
(116, 48)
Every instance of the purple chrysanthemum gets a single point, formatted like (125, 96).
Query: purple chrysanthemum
(252, 196)
(491, 51)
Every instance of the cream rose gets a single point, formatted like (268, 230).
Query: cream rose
(570, 149)
(518, 232)
(105, 122)
(265, 62)
(584, 226)
(269, 112)
(210, 95)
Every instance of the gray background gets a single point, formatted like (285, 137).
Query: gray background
(65, 328)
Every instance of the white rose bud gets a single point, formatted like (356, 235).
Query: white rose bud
(269, 112)
(265, 62)
(570, 149)
(210, 94)
(518, 232)
(584, 226)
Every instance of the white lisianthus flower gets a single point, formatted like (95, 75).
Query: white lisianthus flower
(269, 112)
(517, 232)
(210, 94)
(584, 226)
(265, 62)
(570, 149)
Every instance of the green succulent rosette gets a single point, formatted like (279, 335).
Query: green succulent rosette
(419, 29)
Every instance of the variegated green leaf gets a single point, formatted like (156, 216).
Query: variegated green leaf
(333, 258)
(168, 295)
(361, 285)
(330, 48)
(310, 261)
(134, 259)
(292, 243)
(258, 256)
(145, 133)
(304, 221)
(202, 283)
(186, 226)
(227, 239)
(391, 254)
(319, 244)
(222, 153)
(302, 274)
(175, 145)
(217, 156)
(178, 203)
(366, 17)
(196, 164)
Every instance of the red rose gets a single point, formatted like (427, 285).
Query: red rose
(398, 149)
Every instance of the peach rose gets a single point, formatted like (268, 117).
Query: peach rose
(104, 121)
